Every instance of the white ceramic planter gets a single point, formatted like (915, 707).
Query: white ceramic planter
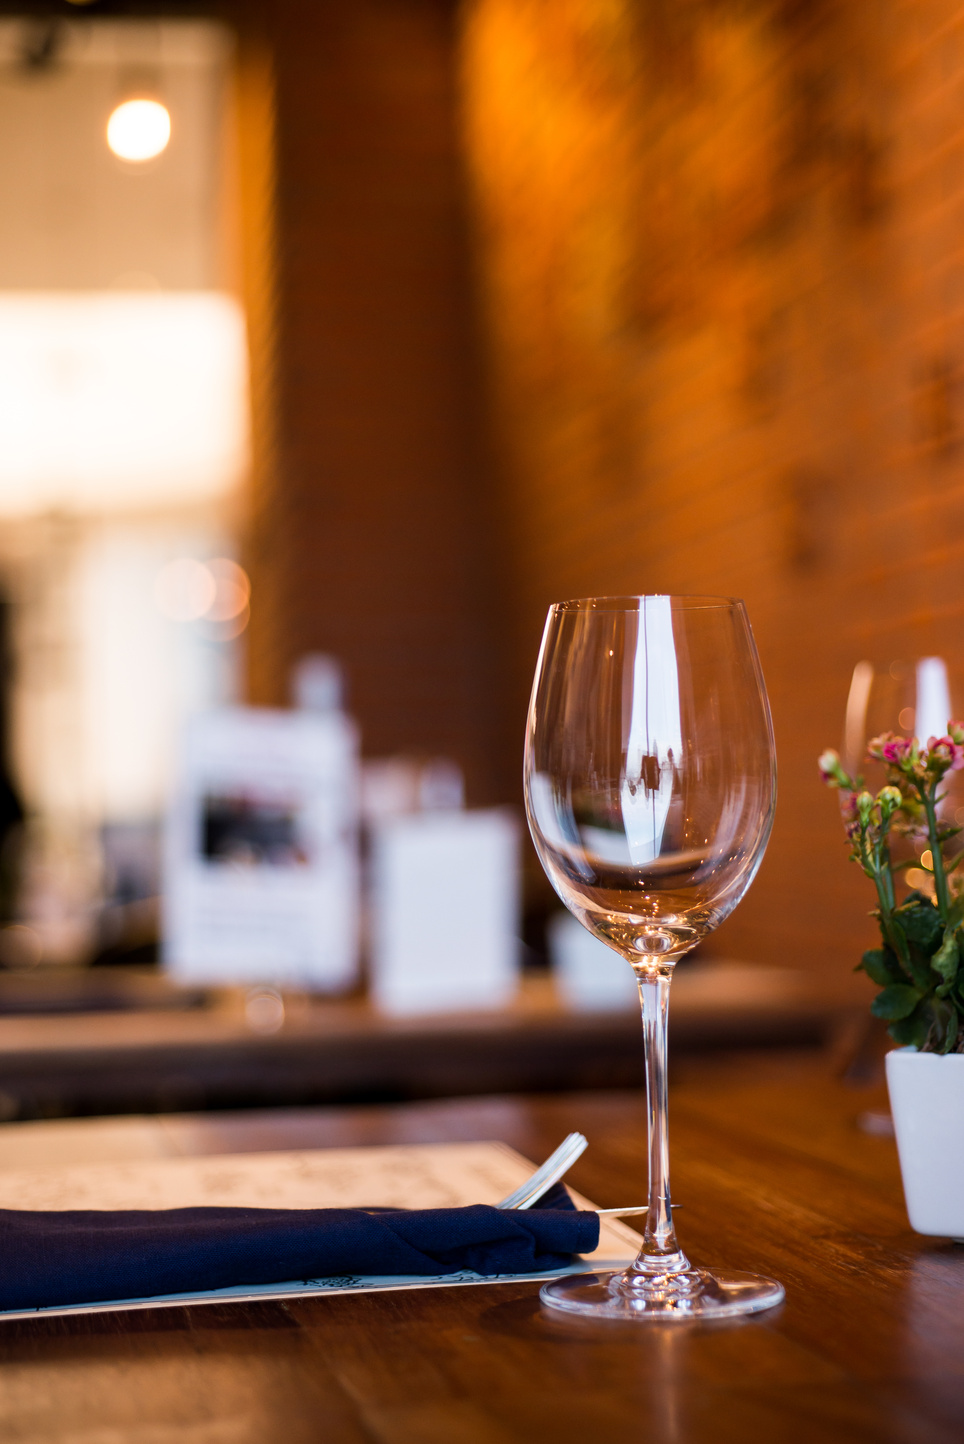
(927, 1103)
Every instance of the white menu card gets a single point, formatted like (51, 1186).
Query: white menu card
(589, 975)
(261, 873)
(445, 902)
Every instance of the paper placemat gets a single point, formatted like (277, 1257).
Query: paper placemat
(431, 1175)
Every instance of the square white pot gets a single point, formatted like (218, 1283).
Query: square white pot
(927, 1103)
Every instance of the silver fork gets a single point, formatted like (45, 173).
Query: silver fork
(554, 1168)
(557, 1164)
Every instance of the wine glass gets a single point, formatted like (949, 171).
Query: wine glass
(650, 782)
(915, 699)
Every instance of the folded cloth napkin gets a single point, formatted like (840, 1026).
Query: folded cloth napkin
(82, 1256)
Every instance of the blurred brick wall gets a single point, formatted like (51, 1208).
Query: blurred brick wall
(720, 250)
(371, 536)
(717, 248)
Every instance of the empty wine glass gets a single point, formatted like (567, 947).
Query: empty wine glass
(650, 788)
(914, 699)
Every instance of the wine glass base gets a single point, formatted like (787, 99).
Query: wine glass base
(624, 1296)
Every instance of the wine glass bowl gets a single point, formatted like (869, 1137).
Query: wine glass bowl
(650, 774)
(914, 699)
(650, 783)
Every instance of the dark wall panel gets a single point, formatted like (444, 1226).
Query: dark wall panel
(375, 539)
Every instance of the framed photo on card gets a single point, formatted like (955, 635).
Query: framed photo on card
(261, 867)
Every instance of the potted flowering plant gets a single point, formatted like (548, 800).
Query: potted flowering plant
(919, 966)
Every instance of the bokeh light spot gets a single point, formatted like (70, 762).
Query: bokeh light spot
(139, 130)
(185, 590)
(233, 590)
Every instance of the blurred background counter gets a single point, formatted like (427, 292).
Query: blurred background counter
(130, 1042)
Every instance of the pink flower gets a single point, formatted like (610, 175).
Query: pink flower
(946, 751)
(889, 747)
(848, 806)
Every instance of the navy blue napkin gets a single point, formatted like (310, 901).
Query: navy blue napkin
(82, 1256)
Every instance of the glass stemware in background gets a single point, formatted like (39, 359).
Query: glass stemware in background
(650, 787)
(914, 699)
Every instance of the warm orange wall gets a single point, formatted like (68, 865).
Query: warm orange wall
(720, 251)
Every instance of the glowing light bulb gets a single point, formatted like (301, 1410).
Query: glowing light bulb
(139, 129)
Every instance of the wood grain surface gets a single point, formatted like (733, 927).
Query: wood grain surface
(773, 1174)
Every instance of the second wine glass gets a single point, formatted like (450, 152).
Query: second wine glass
(912, 699)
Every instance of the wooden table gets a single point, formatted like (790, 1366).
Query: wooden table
(774, 1175)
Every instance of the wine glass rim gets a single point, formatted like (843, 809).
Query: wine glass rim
(682, 602)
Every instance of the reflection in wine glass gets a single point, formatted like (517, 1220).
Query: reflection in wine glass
(650, 789)
(915, 699)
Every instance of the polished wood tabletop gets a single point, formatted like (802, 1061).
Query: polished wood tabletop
(773, 1173)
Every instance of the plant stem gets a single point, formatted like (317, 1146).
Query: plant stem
(937, 861)
(896, 940)
(875, 860)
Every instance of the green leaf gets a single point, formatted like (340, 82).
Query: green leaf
(898, 935)
(955, 915)
(947, 958)
(912, 964)
(951, 1029)
(896, 1001)
(922, 924)
(909, 1032)
(881, 965)
(920, 973)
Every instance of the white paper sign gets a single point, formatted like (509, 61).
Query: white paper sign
(261, 856)
(589, 974)
(445, 911)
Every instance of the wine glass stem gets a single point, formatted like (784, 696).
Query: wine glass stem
(660, 1252)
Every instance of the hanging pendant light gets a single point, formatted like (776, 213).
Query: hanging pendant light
(139, 128)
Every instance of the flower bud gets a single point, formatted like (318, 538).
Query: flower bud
(831, 770)
(889, 800)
